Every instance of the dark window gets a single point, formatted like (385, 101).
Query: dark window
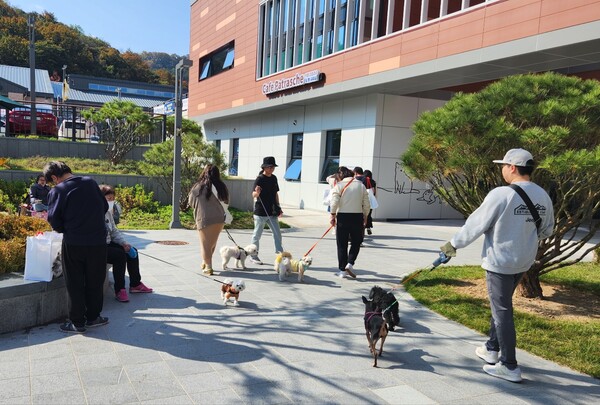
(332, 153)
(235, 153)
(218, 61)
(294, 169)
(218, 145)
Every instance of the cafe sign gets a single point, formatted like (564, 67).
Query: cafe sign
(299, 79)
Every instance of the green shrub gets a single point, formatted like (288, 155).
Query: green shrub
(5, 204)
(14, 192)
(136, 197)
(13, 237)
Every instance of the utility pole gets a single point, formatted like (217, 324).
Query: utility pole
(32, 95)
(182, 64)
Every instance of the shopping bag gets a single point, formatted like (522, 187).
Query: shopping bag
(40, 252)
(372, 199)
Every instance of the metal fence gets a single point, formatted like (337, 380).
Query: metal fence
(71, 125)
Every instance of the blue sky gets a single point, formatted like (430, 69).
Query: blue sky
(138, 25)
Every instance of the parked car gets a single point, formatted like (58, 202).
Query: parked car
(65, 130)
(19, 122)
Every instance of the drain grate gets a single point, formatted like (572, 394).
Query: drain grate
(171, 242)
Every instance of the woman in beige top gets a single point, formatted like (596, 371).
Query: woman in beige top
(209, 214)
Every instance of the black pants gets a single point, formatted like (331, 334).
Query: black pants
(116, 255)
(369, 220)
(84, 269)
(349, 228)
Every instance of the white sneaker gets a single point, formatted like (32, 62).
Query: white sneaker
(255, 260)
(489, 356)
(501, 371)
(340, 274)
(349, 269)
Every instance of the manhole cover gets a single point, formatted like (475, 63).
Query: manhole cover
(171, 242)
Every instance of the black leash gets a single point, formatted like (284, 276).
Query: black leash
(174, 265)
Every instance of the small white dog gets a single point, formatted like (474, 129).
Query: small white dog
(239, 254)
(285, 265)
(230, 290)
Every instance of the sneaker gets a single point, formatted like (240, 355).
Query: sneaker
(349, 269)
(340, 274)
(141, 288)
(69, 327)
(369, 231)
(254, 259)
(489, 356)
(501, 371)
(101, 320)
(121, 296)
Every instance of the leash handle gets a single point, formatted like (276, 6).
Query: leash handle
(318, 240)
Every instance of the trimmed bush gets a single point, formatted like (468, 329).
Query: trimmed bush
(13, 237)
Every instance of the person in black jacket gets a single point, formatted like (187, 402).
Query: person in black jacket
(38, 194)
(266, 208)
(76, 208)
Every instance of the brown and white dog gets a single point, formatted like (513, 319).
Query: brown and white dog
(285, 265)
(230, 290)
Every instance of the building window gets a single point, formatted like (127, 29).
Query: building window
(294, 169)
(217, 61)
(218, 145)
(312, 29)
(333, 141)
(235, 153)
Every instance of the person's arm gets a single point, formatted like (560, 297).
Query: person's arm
(55, 211)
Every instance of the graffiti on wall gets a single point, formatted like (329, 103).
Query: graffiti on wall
(404, 185)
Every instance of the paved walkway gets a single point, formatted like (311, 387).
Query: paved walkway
(286, 343)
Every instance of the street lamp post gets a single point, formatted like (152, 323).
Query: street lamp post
(32, 95)
(182, 64)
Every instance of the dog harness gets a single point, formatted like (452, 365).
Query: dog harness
(239, 255)
(371, 315)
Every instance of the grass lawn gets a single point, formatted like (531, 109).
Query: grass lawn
(37, 163)
(573, 343)
(139, 220)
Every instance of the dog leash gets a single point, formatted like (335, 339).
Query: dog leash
(318, 240)
(442, 259)
(231, 239)
(179, 267)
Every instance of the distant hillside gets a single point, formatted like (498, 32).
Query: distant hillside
(58, 44)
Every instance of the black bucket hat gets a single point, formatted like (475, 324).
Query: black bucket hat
(268, 161)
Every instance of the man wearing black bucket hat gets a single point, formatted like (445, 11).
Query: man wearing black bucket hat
(511, 231)
(266, 206)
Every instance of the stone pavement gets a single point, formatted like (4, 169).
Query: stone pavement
(287, 342)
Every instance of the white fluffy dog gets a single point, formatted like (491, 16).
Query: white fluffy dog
(236, 252)
(285, 265)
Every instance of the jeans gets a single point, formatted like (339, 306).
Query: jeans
(503, 336)
(273, 224)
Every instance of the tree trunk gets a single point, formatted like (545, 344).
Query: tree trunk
(530, 286)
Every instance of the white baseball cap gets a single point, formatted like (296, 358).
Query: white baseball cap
(517, 157)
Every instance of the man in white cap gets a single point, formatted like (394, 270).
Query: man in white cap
(511, 239)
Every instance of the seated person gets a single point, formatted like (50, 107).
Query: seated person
(38, 194)
(121, 254)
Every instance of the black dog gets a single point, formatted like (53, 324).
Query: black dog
(387, 304)
(375, 328)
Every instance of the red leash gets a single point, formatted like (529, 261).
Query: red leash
(318, 240)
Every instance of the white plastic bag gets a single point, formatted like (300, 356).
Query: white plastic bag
(40, 252)
(372, 199)
(327, 197)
